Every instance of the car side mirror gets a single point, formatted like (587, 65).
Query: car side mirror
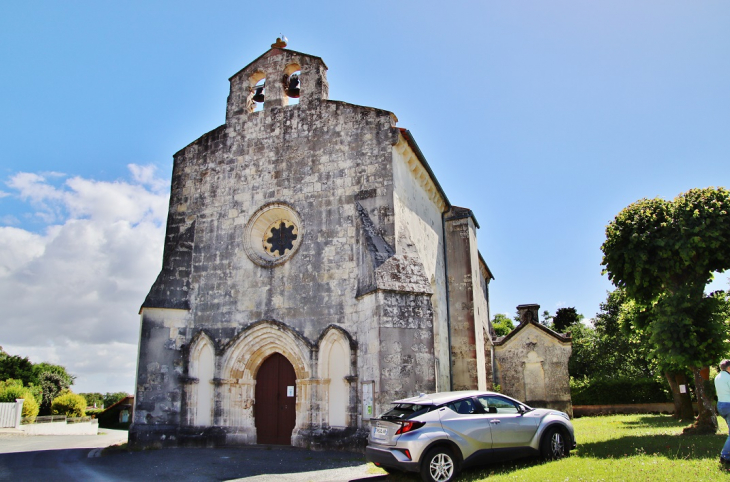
(492, 410)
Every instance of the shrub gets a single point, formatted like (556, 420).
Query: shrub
(9, 392)
(94, 412)
(69, 404)
(612, 391)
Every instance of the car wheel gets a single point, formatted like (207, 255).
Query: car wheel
(438, 465)
(554, 445)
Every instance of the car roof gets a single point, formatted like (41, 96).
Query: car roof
(443, 397)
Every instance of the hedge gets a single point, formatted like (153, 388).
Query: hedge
(30, 406)
(69, 404)
(618, 391)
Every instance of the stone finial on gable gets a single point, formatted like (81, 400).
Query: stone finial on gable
(280, 43)
(528, 313)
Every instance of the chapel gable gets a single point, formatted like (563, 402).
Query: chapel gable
(532, 363)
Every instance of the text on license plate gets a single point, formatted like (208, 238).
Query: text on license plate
(380, 432)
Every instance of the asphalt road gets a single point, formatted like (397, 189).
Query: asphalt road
(79, 457)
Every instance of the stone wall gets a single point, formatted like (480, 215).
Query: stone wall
(419, 208)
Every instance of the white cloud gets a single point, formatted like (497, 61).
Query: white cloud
(9, 219)
(146, 175)
(71, 294)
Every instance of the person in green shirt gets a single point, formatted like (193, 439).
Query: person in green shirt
(722, 387)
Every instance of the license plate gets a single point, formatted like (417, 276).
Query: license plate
(380, 432)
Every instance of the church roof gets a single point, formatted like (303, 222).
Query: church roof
(412, 144)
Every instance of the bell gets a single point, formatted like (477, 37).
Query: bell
(258, 96)
(292, 89)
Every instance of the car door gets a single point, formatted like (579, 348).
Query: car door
(465, 422)
(510, 427)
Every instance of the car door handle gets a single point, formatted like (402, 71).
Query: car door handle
(494, 421)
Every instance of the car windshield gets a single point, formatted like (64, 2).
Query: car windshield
(406, 411)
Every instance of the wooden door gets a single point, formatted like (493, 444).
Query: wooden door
(275, 401)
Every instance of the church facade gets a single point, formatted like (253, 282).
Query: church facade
(314, 270)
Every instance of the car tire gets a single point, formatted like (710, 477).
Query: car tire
(554, 444)
(439, 465)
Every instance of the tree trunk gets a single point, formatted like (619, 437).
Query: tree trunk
(707, 420)
(682, 401)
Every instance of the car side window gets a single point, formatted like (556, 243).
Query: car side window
(495, 404)
(463, 407)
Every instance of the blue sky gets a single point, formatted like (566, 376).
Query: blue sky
(545, 118)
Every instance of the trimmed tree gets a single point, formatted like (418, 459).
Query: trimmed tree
(664, 253)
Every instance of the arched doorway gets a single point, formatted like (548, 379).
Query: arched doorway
(275, 401)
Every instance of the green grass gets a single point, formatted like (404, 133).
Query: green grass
(633, 448)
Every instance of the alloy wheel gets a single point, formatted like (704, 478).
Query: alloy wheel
(441, 467)
(557, 445)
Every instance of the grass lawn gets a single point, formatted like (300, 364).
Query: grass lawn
(632, 448)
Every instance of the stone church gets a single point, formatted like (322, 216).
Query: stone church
(314, 270)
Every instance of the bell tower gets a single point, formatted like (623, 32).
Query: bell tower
(277, 78)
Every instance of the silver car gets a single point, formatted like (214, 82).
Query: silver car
(440, 433)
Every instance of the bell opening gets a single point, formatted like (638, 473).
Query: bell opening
(292, 86)
(259, 94)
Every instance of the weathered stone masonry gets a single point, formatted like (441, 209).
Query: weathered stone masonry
(317, 231)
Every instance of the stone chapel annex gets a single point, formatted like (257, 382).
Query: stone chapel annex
(314, 270)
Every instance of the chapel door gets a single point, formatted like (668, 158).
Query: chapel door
(275, 401)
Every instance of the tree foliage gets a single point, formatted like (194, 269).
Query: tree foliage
(654, 247)
(611, 348)
(565, 318)
(93, 399)
(44, 380)
(15, 367)
(547, 318)
(40, 368)
(112, 398)
(52, 385)
(663, 254)
(502, 324)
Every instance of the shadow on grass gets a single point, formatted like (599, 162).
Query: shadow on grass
(669, 446)
(652, 421)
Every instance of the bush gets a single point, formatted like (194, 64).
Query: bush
(9, 392)
(94, 412)
(69, 404)
(616, 391)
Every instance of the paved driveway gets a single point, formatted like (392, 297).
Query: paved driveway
(61, 458)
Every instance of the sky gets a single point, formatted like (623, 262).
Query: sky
(544, 118)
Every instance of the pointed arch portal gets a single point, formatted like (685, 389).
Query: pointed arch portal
(275, 410)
